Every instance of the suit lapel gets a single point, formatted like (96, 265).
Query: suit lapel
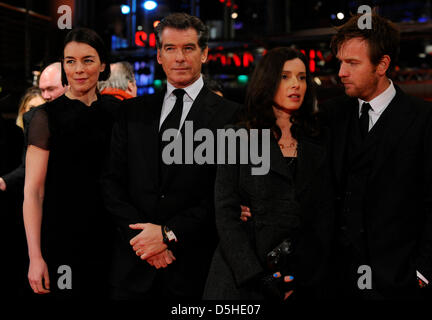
(201, 113)
(311, 155)
(340, 137)
(150, 134)
(277, 161)
(396, 119)
(202, 109)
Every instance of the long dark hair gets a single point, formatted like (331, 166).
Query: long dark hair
(90, 37)
(262, 89)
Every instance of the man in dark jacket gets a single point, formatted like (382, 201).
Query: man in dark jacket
(164, 213)
(382, 170)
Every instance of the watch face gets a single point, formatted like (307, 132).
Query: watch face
(171, 236)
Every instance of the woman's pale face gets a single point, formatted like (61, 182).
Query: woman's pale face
(292, 87)
(34, 102)
(82, 66)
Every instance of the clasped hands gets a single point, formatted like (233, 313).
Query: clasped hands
(149, 245)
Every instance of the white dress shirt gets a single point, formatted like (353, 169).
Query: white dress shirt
(378, 104)
(192, 92)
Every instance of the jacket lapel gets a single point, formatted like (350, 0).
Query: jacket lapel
(202, 110)
(397, 118)
(340, 138)
(311, 155)
(201, 113)
(277, 161)
(150, 134)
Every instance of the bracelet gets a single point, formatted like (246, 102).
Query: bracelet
(164, 236)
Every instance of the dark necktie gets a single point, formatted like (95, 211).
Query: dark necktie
(174, 117)
(364, 119)
(172, 121)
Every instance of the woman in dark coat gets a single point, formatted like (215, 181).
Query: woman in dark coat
(291, 202)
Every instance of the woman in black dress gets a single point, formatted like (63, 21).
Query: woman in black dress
(66, 228)
(291, 202)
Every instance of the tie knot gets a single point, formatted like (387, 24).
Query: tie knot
(365, 107)
(179, 93)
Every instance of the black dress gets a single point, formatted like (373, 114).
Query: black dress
(75, 227)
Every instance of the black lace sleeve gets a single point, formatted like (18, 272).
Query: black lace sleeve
(38, 130)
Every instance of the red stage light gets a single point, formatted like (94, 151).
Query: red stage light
(140, 38)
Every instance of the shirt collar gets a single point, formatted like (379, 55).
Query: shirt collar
(192, 90)
(380, 102)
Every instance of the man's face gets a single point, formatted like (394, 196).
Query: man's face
(180, 56)
(50, 83)
(357, 73)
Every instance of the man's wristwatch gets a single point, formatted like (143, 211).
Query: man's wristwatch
(169, 237)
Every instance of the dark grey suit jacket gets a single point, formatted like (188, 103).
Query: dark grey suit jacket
(282, 206)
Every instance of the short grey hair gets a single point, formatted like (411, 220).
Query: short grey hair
(121, 73)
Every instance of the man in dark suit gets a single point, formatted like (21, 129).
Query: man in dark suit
(164, 213)
(382, 169)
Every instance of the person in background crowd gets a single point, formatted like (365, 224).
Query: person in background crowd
(51, 88)
(291, 202)
(164, 212)
(121, 84)
(67, 143)
(50, 82)
(214, 86)
(11, 238)
(32, 98)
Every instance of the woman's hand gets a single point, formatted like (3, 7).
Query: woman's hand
(38, 276)
(276, 287)
(245, 213)
(287, 279)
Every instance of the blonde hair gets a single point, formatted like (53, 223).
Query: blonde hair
(30, 93)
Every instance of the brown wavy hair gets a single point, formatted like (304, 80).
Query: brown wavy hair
(383, 38)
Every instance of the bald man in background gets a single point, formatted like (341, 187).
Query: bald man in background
(50, 82)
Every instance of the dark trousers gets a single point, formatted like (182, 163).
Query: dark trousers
(157, 292)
